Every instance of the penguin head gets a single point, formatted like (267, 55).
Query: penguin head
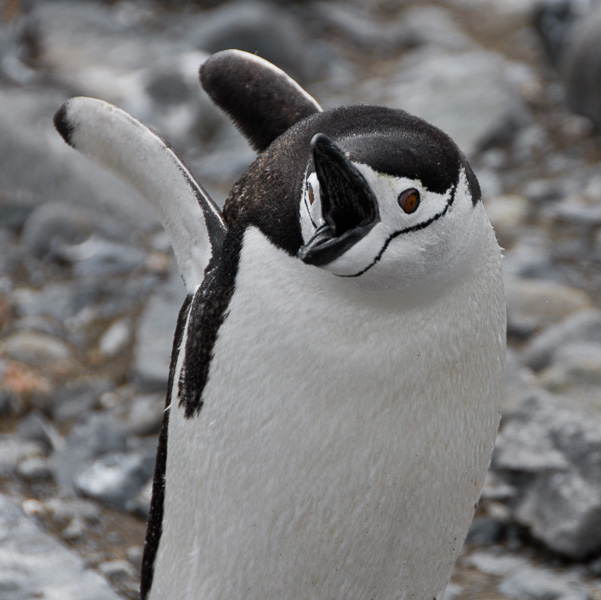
(389, 203)
(367, 193)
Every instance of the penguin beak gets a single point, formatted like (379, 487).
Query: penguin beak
(349, 207)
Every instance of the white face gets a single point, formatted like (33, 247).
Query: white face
(420, 247)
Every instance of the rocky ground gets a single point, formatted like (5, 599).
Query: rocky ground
(89, 293)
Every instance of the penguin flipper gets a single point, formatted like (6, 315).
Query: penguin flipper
(261, 99)
(137, 155)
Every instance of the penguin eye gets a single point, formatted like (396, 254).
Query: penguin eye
(310, 191)
(409, 200)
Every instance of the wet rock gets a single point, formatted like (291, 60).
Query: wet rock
(582, 326)
(553, 455)
(116, 478)
(35, 565)
(536, 304)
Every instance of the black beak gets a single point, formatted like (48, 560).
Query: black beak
(349, 207)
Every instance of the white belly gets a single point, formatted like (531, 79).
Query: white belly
(341, 447)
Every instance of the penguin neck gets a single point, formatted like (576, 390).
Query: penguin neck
(305, 286)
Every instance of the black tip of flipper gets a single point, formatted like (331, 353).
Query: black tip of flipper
(261, 99)
(62, 124)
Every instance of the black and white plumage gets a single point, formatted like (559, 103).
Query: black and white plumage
(339, 360)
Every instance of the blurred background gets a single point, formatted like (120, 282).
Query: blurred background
(89, 291)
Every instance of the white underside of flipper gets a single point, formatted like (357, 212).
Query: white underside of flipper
(342, 443)
(130, 150)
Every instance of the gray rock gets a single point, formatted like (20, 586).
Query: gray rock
(469, 95)
(495, 563)
(508, 215)
(141, 503)
(553, 454)
(154, 336)
(146, 414)
(60, 174)
(582, 326)
(530, 257)
(359, 27)
(36, 349)
(13, 450)
(99, 434)
(34, 468)
(576, 375)
(116, 338)
(35, 565)
(117, 570)
(97, 257)
(77, 399)
(115, 478)
(534, 304)
(242, 25)
(580, 66)
(64, 510)
(535, 583)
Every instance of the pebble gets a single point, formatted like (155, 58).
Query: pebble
(579, 65)
(581, 326)
(36, 565)
(552, 454)
(535, 583)
(36, 349)
(152, 352)
(115, 478)
(117, 570)
(116, 338)
(100, 433)
(534, 304)
(469, 95)
(146, 414)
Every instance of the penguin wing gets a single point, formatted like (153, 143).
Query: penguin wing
(261, 99)
(134, 153)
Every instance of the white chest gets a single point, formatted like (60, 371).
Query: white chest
(342, 443)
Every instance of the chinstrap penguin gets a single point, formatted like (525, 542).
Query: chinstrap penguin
(338, 363)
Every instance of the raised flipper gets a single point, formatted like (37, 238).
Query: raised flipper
(261, 99)
(130, 150)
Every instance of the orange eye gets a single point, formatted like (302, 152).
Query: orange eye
(409, 200)
(310, 190)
